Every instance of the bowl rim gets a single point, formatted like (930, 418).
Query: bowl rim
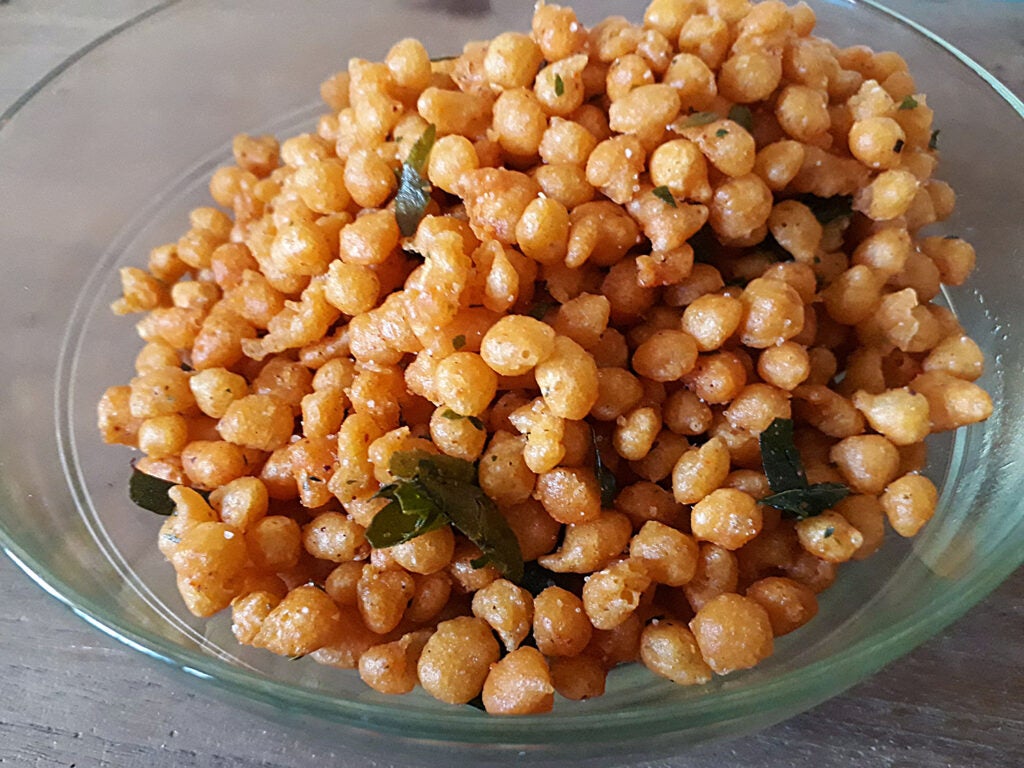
(845, 668)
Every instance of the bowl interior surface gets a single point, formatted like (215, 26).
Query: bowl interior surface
(103, 162)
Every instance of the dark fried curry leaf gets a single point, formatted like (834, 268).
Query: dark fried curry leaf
(433, 491)
(828, 209)
(537, 578)
(539, 310)
(809, 501)
(781, 460)
(787, 478)
(150, 492)
(605, 477)
(471, 511)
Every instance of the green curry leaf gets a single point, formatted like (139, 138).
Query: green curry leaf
(471, 511)
(432, 491)
(809, 501)
(392, 525)
(787, 478)
(742, 116)
(151, 493)
(413, 188)
(664, 194)
(698, 119)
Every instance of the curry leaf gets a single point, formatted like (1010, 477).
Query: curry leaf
(665, 194)
(413, 501)
(909, 102)
(559, 86)
(413, 188)
(405, 465)
(742, 115)
(409, 465)
(433, 491)
(828, 209)
(537, 578)
(787, 478)
(781, 460)
(539, 310)
(393, 526)
(451, 415)
(699, 118)
(471, 511)
(150, 492)
(809, 501)
(605, 477)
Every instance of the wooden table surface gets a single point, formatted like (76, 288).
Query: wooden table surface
(71, 696)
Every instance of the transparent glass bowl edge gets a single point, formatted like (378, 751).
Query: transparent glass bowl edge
(846, 669)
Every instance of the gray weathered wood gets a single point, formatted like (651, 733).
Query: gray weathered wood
(72, 696)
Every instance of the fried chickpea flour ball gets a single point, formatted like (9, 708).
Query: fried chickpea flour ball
(481, 384)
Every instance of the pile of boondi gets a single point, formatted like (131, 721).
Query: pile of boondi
(644, 307)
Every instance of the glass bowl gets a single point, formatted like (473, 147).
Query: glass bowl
(104, 158)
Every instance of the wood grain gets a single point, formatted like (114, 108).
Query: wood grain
(74, 697)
